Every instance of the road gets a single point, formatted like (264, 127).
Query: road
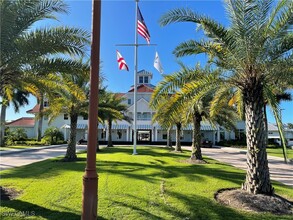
(279, 171)
(21, 158)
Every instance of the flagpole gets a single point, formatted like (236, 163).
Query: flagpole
(135, 81)
(145, 34)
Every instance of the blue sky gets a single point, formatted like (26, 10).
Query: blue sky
(118, 27)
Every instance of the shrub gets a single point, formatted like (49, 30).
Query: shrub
(52, 135)
(13, 135)
(232, 143)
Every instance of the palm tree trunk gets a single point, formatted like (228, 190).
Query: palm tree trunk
(71, 149)
(257, 174)
(40, 122)
(196, 138)
(169, 137)
(98, 146)
(178, 142)
(110, 143)
(2, 124)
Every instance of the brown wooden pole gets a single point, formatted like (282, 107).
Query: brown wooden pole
(90, 178)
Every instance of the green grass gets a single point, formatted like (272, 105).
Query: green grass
(19, 147)
(278, 152)
(16, 147)
(155, 184)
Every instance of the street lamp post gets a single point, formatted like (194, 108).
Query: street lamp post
(90, 178)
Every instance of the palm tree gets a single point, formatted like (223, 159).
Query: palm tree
(162, 104)
(111, 108)
(25, 49)
(53, 132)
(71, 98)
(255, 52)
(18, 98)
(194, 110)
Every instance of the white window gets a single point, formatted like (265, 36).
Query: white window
(141, 79)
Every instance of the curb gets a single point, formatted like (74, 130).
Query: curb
(29, 149)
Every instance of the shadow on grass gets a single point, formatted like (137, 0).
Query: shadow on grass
(157, 164)
(26, 209)
(159, 168)
(195, 207)
(191, 172)
(146, 151)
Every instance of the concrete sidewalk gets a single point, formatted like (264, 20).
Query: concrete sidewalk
(279, 171)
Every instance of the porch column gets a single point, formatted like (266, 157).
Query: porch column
(153, 133)
(127, 134)
(218, 133)
(130, 134)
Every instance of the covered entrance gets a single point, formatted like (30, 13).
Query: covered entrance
(144, 136)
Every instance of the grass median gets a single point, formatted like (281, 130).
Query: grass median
(155, 184)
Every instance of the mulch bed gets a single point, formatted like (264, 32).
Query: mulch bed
(242, 200)
(8, 193)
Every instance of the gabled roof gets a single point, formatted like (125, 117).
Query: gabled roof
(143, 88)
(22, 122)
(34, 109)
(272, 127)
(119, 94)
(144, 73)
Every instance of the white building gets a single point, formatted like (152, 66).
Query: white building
(147, 132)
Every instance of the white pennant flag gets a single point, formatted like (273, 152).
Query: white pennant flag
(157, 63)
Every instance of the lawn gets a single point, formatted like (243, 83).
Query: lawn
(278, 152)
(19, 147)
(15, 147)
(155, 184)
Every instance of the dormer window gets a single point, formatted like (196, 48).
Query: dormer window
(143, 80)
(140, 79)
(144, 77)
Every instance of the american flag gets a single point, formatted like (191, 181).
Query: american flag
(121, 62)
(141, 27)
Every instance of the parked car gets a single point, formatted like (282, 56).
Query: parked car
(206, 143)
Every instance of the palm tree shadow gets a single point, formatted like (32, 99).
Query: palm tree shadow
(25, 209)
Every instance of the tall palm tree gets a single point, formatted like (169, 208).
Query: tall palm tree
(162, 104)
(193, 110)
(256, 52)
(70, 98)
(112, 109)
(24, 48)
